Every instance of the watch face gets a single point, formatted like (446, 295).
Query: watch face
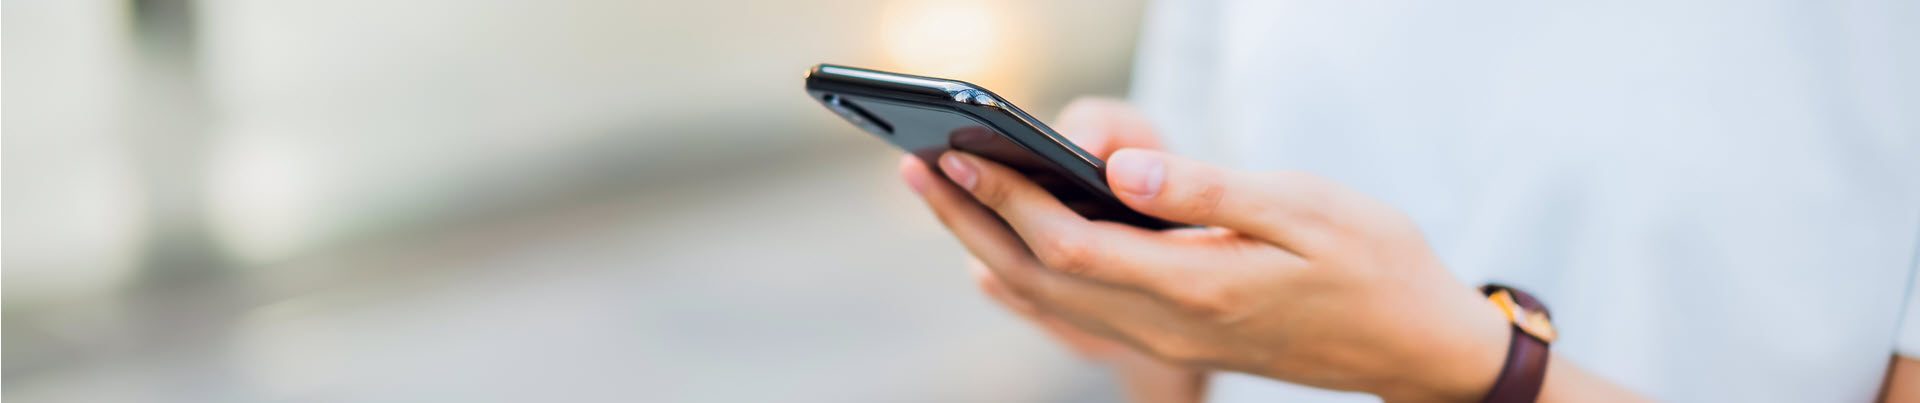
(1534, 323)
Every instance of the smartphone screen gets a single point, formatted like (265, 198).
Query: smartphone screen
(929, 116)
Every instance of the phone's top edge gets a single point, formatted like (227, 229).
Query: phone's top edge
(958, 91)
(897, 78)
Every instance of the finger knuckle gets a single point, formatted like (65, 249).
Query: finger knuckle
(1180, 349)
(1204, 199)
(1067, 254)
(1018, 279)
(1210, 299)
(1308, 196)
(987, 281)
(990, 192)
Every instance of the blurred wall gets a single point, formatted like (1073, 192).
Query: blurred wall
(330, 123)
(185, 179)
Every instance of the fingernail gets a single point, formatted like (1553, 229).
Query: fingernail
(915, 181)
(959, 170)
(1137, 173)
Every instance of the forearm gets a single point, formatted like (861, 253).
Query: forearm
(1569, 383)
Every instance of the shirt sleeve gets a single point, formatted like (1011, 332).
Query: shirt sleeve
(1907, 342)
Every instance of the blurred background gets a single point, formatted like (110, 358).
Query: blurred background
(440, 200)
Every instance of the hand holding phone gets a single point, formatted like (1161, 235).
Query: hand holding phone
(927, 116)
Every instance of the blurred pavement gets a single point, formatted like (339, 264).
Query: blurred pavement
(830, 285)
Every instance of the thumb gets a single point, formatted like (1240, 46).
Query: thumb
(1286, 207)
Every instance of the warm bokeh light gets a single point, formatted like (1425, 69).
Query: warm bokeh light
(946, 38)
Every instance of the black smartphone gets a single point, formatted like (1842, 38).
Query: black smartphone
(927, 116)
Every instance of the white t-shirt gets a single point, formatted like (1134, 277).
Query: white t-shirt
(1720, 200)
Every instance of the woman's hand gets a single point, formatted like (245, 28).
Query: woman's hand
(1098, 126)
(1145, 378)
(1294, 278)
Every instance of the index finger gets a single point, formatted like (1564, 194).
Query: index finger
(1160, 263)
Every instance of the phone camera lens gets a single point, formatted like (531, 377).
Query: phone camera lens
(855, 114)
(834, 103)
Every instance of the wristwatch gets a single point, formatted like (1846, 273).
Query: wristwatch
(1526, 368)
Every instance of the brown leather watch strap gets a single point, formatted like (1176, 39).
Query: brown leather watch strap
(1526, 367)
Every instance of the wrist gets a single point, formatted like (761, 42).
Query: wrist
(1147, 379)
(1463, 365)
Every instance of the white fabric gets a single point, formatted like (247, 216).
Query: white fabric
(1718, 199)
